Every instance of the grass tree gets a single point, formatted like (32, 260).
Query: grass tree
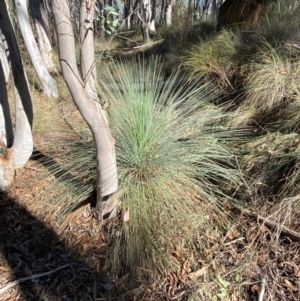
(80, 90)
(172, 163)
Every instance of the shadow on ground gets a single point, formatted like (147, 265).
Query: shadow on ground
(43, 265)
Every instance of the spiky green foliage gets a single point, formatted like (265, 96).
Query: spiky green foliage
(271, 86)
(172, 161)
(216, 58)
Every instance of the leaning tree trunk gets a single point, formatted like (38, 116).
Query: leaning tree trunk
(22, 142)
(90, 110)
(48, 83)
(241, 12)
(42, 28)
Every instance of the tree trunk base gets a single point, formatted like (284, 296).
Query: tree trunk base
(107, 207)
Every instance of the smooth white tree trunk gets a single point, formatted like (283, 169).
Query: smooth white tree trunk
(22, 145)
(144, 13)
(87, 53)
(6, 127)
(90, 110)
(48, 83)
(169, 9)
(42, 29)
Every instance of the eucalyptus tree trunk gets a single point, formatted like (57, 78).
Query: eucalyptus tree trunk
(205, 9)
(144, 13)
(152, 19)
(214, 10)
(22, 143)
(42, 28)
(190, 14)
(6, 127)
(169, 9)
(107, 183)
(48, 83)
(127, 12)
(87, 53)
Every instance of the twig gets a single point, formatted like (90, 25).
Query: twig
(274, 225)
(32, 168)
(262, 290)
(233, 241)
(13, 283)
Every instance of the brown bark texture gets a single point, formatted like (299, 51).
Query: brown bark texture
(239, 12)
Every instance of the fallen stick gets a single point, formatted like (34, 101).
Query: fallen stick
(274, 225)
(13, 283)
(262, 290)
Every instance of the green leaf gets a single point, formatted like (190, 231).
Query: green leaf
(114, 13)
(108, 32)
(115, 23)
(109, 8)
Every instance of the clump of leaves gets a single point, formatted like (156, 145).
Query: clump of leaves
(107, 16)
(172, 158)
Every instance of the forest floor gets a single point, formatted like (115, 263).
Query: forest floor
(41, 260)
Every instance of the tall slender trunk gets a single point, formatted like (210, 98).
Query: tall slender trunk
(6, 127)
(127, 8)
(190, 15)
(22, 142)
(90, 110)
(48, 83)
(42, 28)
(152, 19)
(214, 10)
(87, 57)
(169, 10)
(144, 13)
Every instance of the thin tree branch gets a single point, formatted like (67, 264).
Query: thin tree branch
(273, 225)
(13, 283)
(262, 290)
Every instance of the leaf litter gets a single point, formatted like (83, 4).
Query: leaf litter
(42, 260)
